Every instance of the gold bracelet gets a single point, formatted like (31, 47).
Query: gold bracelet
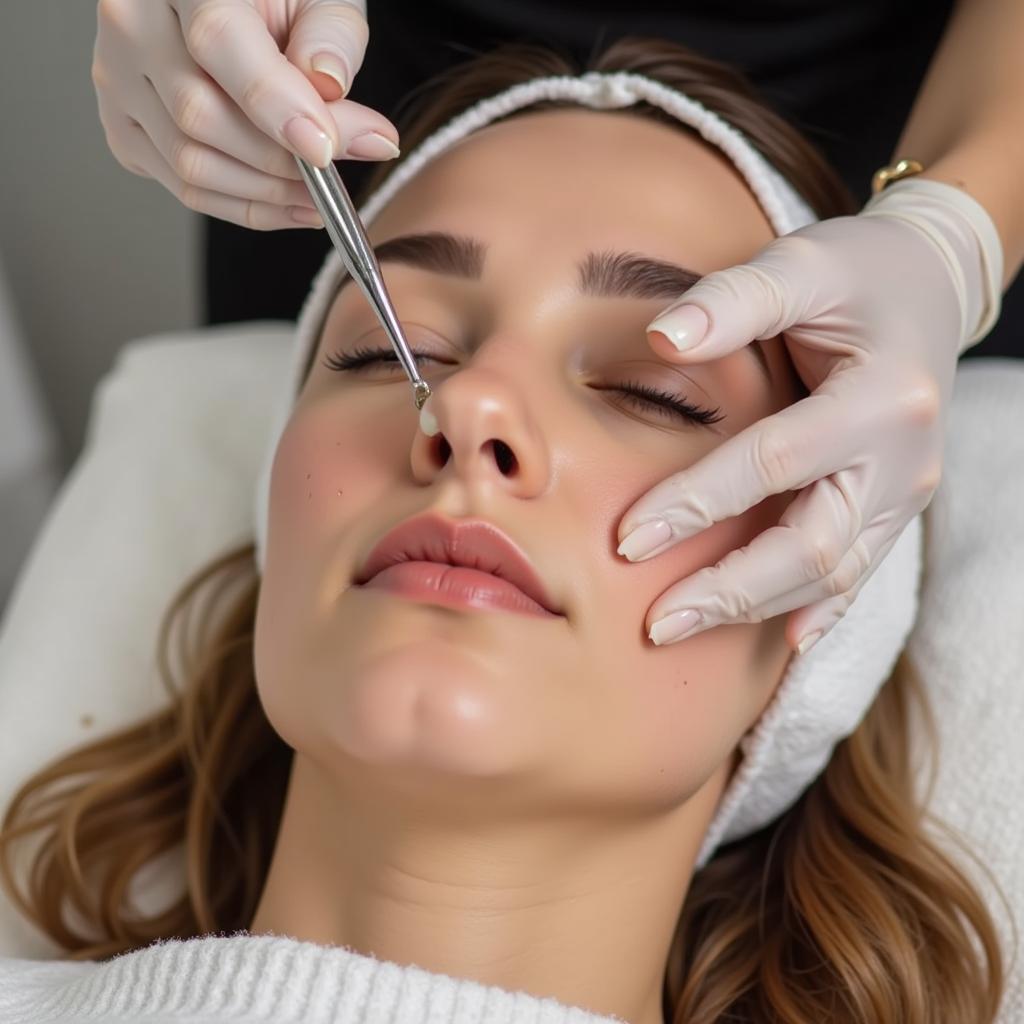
(893, 172)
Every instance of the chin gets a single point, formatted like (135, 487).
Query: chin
(429, 705)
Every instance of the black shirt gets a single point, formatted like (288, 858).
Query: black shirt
(845, 72)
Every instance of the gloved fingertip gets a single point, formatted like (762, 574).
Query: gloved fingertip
(662, 346)
(809, 640)
(308, 140)
(645, 540)
(675, 626)
(333, 66)
(684, 326)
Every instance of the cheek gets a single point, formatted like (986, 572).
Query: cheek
(323, 482)
(327, 471)
(676, 712)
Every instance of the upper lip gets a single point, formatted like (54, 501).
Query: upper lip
(475, 544)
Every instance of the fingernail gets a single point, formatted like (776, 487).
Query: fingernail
(674, 627)
(333, 66)
(684, 326)
(313, 145)
(372, 146)
(305, 216)
(644, 539)
(808, 642)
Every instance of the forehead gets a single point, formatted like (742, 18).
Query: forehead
(546, 186)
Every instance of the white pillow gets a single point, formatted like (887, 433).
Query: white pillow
(165, 483)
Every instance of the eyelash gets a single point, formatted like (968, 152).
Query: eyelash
(641, 394)
(361, 357)
(645, 395)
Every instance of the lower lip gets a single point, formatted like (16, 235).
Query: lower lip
(455, 586)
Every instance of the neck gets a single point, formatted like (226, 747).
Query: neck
(583, 912)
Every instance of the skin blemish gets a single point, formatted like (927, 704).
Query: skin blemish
(428, 423)
(339, 494)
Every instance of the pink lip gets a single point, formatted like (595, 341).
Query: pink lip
(458, 563)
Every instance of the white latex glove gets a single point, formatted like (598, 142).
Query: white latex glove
(876, 309)
(213, 97)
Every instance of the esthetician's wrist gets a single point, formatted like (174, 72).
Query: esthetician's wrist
(963, 235)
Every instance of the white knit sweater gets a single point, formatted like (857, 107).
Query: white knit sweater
(259, 978)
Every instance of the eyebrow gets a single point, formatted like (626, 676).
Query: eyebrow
(437, 251)
(630, 275)
(599, 274)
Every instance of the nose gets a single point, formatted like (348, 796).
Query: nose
(487, 435)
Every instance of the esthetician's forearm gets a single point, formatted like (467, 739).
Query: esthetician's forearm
(967, 123)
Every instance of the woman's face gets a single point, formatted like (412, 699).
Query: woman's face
(530, 331)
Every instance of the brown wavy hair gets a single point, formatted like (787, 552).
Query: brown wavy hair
(845, 909)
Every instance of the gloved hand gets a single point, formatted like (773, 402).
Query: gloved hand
(875, 310)
(212, 97)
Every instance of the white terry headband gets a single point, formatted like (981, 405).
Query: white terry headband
(824, 693)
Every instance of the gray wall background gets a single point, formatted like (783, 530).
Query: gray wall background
(94, 256)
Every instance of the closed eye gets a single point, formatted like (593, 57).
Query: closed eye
(360, 358)
(643, 396)
(646, 397)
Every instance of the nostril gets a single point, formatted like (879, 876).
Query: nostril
(444, 450)
(505, 458)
